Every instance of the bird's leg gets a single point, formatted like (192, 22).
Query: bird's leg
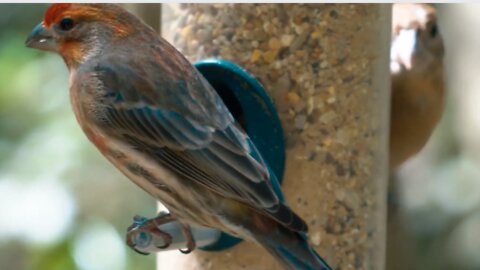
(162, 218)
(141, 224)
(187, 233)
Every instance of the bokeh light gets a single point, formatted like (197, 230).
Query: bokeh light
(99, 247)
(36, 217)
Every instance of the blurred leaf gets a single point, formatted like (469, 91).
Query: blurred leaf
(54, 258)
(39, 137)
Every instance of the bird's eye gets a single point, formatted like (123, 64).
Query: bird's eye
(66, 24)
(433, 31)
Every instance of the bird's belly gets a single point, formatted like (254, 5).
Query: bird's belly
(189, 203)
(410, 131)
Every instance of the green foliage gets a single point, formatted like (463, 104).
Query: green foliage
(56, 257)
(41, 141)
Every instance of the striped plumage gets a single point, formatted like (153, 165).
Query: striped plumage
(151, 114)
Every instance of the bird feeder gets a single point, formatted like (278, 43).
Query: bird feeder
(325, 66)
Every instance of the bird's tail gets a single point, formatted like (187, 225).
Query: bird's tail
(291, 249)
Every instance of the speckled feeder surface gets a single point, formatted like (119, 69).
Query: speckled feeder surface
(326, 68)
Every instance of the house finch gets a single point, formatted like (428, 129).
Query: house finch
(152, 114)
(416, 64)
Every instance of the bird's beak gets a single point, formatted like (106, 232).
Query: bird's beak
(404, 47)
(41, 38)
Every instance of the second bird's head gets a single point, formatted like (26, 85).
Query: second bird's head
(417, 44)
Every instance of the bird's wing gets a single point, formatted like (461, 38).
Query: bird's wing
(188, 129)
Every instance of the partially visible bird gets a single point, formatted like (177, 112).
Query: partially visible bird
(416, 64)
(154, 116)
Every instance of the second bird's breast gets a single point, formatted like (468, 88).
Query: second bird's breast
(414, 116)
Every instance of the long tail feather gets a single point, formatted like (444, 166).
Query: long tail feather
(292, 250)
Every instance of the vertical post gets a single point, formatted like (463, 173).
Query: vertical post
(326, 66)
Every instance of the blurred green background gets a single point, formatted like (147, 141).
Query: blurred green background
(63, 206)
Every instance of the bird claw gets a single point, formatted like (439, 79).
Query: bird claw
(191, 244)
(185, 251)
(167, 239)
(136, 235)
(142, 231)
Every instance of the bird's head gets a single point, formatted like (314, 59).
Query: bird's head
(78, 31)
(416, 41)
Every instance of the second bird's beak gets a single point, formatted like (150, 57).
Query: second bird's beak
(404, 47)
(41, 38)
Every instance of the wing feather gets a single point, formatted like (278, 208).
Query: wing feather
(196, 139)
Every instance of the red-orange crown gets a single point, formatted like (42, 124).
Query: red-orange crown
(53, 12)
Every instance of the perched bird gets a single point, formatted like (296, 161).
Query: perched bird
(416, 65)
(154, 116)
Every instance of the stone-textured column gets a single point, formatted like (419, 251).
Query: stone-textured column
(326, 66)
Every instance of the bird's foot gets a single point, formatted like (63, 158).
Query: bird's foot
(191, 245)
(140, 233)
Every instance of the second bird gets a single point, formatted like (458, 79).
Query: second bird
(416, 64)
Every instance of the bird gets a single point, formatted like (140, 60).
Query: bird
(417, 79)
(157, 120)
(417, 100)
